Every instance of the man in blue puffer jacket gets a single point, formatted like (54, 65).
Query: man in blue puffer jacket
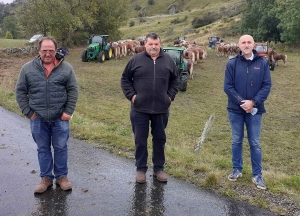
(47, 92)
(247, 84)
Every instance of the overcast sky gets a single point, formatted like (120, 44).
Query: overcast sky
(6, 1)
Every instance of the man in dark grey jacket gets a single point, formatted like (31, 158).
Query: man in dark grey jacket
(47, 92)
(150, 82)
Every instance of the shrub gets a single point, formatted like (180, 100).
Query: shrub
(151, 2)
(205, 20)
(211, 180)
(177, 20)
(137, 7)
(142, 20)
(132, 23)
(8, 35)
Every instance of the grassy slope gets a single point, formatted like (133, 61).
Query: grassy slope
(168, 31)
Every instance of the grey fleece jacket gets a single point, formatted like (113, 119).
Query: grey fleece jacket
(47, 97)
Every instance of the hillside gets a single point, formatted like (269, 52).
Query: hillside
(173, 18)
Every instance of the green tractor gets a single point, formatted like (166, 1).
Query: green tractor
(177, 55)
(98, 49)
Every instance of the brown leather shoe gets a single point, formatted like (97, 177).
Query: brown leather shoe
(64, 183)
(161, 176)
(140, 177)
(43, 185)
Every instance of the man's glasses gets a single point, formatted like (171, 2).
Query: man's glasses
(47, 51)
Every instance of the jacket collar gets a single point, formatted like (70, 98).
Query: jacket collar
(161, 52)
(255, 55)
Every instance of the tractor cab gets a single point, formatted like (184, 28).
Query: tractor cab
(263, 50)
(98, 48)
(212, 41)
(100, 39)
(176, 54)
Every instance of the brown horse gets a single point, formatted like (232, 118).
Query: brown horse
(276, 57)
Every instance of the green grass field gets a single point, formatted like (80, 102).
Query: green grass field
(102, 119)
(12, 43)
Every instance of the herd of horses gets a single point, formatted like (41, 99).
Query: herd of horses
(227, 49)
(192, 54)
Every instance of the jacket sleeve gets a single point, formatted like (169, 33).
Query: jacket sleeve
(173, 82)
(127, 81)
(229, 88)
(265, 89)
(72, 91)
(21, 91)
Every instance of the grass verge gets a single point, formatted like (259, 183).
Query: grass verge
(102, 119)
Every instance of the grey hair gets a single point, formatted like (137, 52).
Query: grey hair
(152, 35)
(47, 38)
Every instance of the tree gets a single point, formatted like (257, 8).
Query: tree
(288, 12)
(109, 17)
(258, 20)
(63, 19)
(10, 25)
(37, 22)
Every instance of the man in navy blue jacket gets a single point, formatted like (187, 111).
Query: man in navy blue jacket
(150, 82)
(247, 84)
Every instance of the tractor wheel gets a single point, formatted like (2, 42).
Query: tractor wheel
(83, 56)
(109, 54)
(101, 56)
(183, 82)
(272, 65)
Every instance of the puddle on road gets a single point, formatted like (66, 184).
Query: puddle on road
(52, 202)
(148, 199)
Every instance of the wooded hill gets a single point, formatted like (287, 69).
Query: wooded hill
(73, 20)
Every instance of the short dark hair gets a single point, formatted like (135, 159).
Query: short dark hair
(152, 35)
(47, 38)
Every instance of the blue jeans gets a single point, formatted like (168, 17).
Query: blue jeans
(140, 126)
(253, 126)
(54, 133)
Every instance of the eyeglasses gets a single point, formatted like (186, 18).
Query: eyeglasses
(47, 51)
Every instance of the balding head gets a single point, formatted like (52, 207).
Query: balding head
(247, 38)
(246, 45)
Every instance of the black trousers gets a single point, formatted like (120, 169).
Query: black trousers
(141, 123)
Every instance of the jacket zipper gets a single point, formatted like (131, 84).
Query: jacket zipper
(47, 89)
(48, 99)
(154, 77)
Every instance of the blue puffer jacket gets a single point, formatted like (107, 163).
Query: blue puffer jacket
(47, 97)
(247, 80)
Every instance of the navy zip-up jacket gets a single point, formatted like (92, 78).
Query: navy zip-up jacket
(247, 80)
(153, 82)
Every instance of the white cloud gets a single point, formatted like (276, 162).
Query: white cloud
(6, 1)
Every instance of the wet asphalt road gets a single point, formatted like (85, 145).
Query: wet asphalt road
(103, 184)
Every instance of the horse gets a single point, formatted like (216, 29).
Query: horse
(139, 49)
(276, 57)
